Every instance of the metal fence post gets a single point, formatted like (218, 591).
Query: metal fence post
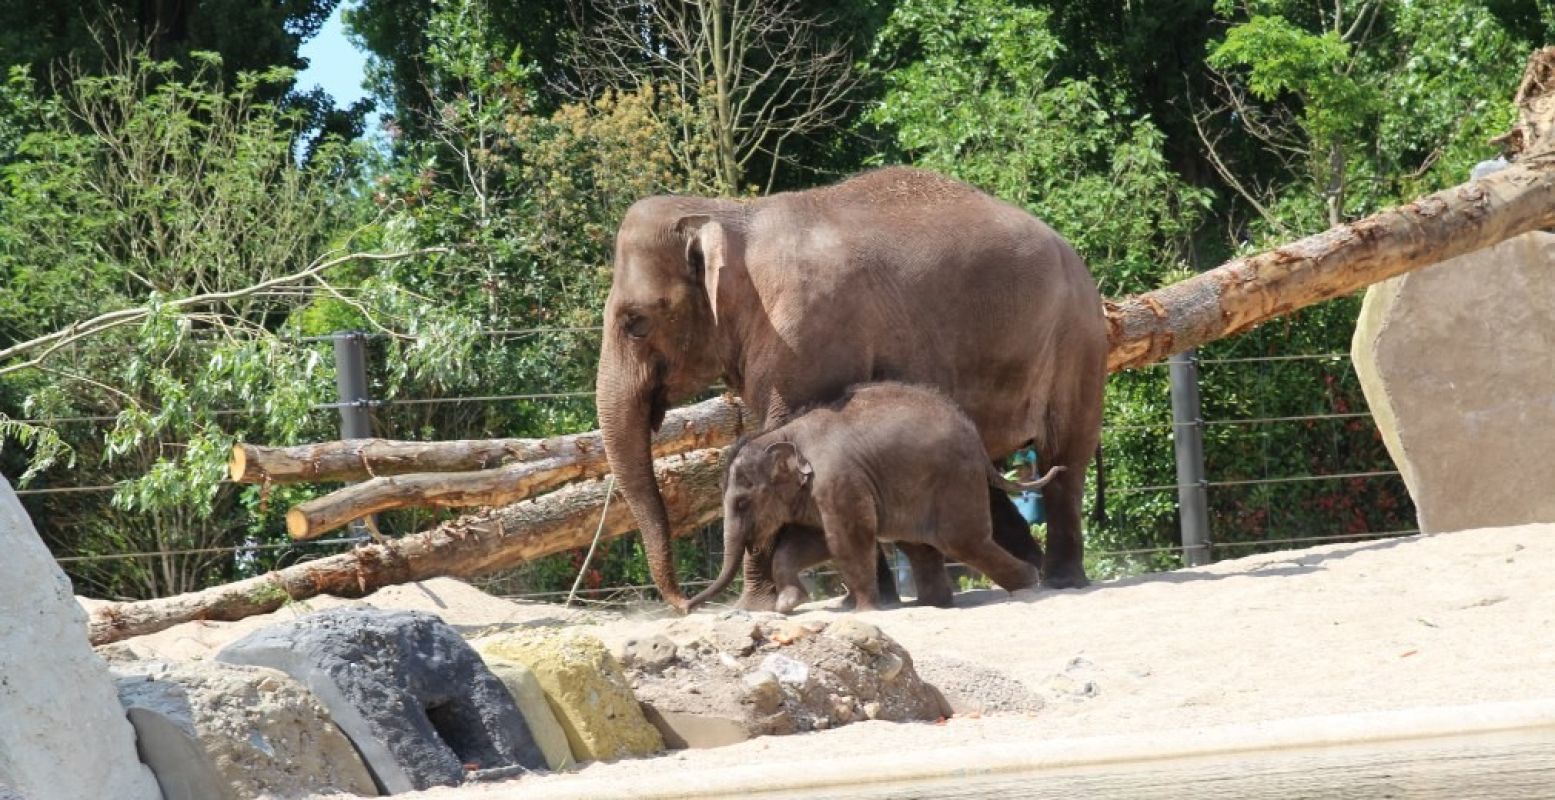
(1188, 441)
(351, 384)
(351, 388)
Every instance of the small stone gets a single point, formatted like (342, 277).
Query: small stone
(889, 666)
(787, 670)
(872, 710)
(763, 691)
(736, 637)
(862, 635)
(786, 633)
(649, 652)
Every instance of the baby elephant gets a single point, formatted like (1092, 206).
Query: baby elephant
(889, 462)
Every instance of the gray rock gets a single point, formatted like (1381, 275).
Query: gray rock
(417, 701)
(219, 731)
(794, 677)
(649, 652)
(62, 730)
(1457, 362)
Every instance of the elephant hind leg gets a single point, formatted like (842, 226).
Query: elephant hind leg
(1010, 529)
(980, 553)
(928, 574)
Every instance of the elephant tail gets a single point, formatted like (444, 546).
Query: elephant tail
(1004, 484)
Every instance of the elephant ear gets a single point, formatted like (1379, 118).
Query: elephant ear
(707, 254)
(788, 464)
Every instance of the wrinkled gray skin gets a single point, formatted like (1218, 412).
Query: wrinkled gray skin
(896, 274)
(887, 462)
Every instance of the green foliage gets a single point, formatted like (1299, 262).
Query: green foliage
(968, 92)
(133, 189)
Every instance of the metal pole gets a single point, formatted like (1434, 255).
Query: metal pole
(1188, 441)
(351, 383)
(351, 388)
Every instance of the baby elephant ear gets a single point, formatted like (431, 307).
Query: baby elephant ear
(788, 464)
(706, 253)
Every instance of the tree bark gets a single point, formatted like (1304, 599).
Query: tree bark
(472, 545)
(710, 423)
(1240, 294)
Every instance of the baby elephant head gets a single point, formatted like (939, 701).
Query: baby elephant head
(763, 489)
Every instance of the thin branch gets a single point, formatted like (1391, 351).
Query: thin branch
(98, 324)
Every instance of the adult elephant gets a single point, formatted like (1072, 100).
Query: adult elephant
(895, 274)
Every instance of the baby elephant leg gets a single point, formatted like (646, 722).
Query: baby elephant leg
(796, 549)
(928, 574)
(980, 553)
(854, 552)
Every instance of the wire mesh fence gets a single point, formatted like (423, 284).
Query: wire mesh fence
(1246, 512)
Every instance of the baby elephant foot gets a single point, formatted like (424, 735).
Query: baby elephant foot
(1026, 595)
(1065, 577)
(789, 599)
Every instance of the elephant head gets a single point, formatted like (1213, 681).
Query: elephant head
(661, 345)
(765, 487)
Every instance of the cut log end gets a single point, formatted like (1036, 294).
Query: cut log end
(297, 525)
(237, 466)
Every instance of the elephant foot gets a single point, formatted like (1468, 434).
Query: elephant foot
(759, 601)
(786, 601)
(1065, 576)
(850, 603)
(944, 599)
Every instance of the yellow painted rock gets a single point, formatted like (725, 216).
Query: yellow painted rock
(586, 689)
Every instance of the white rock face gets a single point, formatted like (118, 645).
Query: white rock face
(63, 733)
(1457, 361)
(213, 731)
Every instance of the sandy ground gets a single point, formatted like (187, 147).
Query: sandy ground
(1424, 621)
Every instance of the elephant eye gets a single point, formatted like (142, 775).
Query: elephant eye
(635, 325)
(742, 505)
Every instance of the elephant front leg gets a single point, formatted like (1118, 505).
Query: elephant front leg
(1010, 529)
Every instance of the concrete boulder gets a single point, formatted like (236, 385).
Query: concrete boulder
(718, 682)
(215, 731)
(62, 730)
(586, 688)
(416, 701)
(530, 697)
(1457, 362)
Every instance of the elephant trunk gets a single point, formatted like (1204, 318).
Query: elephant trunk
(734, 549)
(630, 400)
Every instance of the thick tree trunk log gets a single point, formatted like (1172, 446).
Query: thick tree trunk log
(472, 545)
(1236, 296)
(706, 424)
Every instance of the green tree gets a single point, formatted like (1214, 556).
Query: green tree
(154, 230)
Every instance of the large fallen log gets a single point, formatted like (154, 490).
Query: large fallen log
(472, 545)
(709, 423)
(1242, 293)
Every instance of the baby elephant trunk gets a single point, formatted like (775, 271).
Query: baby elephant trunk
(1003, 484)
(734, 551)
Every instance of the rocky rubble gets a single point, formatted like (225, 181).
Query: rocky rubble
(713, 681)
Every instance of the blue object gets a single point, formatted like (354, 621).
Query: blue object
(1029, 503)
(1030, 506)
